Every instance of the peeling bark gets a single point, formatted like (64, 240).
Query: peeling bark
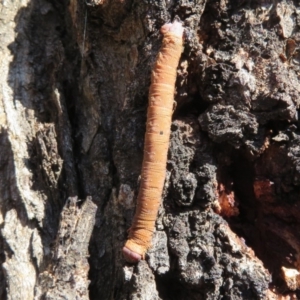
(67, 275)
(73, 101)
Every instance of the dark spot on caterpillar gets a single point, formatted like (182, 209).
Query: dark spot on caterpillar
(161, 133)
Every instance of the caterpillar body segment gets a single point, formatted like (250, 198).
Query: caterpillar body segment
(159, 117)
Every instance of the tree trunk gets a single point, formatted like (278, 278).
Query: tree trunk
(74, 84)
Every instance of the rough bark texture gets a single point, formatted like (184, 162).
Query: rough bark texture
(74, 85)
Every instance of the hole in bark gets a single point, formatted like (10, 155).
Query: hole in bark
(168, 287)
(262, 230)
(194, 106)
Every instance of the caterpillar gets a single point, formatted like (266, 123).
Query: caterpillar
(159, 117)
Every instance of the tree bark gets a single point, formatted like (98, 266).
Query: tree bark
(75, 77)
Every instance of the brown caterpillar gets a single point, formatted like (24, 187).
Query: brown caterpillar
(159, 117)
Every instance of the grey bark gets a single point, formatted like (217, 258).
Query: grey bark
(74, 83)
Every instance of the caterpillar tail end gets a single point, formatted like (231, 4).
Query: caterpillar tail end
(131, 256)
(133, 252)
